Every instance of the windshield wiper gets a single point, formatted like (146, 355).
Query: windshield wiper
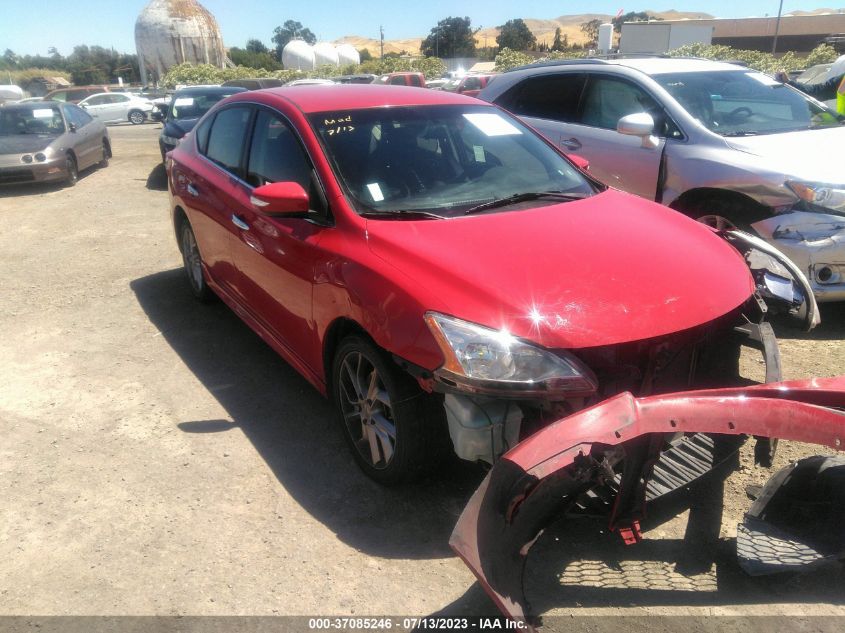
(740, 133)
(524, 197)
(394, 212)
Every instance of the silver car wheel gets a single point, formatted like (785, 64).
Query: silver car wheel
(136, 117)
(718, 222)
(366, 409)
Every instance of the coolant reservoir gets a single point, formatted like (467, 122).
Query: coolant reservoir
(482, 428)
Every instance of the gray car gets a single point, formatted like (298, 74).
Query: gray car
(49, 141)
(724, 144)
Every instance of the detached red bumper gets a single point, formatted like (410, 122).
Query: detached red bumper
(543, 476)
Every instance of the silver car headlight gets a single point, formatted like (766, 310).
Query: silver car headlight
(819, 194)
(170, 140)
(486, 360)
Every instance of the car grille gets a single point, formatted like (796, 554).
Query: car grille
(18, 174)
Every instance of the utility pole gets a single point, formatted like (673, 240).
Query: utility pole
(381, 32)
(777, 28)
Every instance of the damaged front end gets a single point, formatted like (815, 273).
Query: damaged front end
(618, 456)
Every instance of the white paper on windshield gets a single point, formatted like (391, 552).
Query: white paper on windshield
(492, 124)
(764, 79)
(375, 192)
(43, 113)
(184, 101)
(479, 154)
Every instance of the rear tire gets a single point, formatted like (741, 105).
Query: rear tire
(390, 424)
(136, 117)
(192, 261)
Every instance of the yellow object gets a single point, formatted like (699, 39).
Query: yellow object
(840, 97)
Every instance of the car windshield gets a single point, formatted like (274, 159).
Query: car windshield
(743, 103)
(443, 159)
(36, 118)
(192, 105)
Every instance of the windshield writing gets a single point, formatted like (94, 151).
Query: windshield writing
(442, 159)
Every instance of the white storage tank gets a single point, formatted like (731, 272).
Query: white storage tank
(325, 53)
(348, 55)
(298, 55)
(605, 43)
(170, 32)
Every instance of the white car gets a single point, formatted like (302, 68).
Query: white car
(117, 107)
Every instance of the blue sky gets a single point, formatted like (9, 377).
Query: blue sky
(33, 27)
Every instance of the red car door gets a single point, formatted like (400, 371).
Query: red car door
(277, 255)
(208, 183)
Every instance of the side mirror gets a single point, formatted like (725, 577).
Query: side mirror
(280, 198)
(580, 162)
(639, 124)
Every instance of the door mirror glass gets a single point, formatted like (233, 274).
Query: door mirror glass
(280, 198)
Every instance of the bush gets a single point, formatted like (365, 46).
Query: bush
(764, 62)
(193, 74)
(507, 59)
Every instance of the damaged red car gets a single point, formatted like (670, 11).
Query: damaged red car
(451, 281)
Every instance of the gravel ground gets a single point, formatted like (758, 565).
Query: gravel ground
(159, 459)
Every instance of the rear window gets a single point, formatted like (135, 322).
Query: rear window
(553, 97)
(226, 138)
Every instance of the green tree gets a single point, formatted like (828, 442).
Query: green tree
(515, 35)
(251, 59)
(560, 42)
(365, 55)
(631, 16)
(591, 30)
(256, 46)
(291, 30)
(452, 37)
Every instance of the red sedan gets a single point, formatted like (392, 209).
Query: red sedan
(444, 274)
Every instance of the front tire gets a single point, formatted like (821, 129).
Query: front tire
(136, 117)
(71, 171)
(389, 423)
(192, 261)
(106, 155)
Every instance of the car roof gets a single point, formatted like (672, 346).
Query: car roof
(648, 64)
(210, 90)
(320, 98)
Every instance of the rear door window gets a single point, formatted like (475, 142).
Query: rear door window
(554, 97)
(226, 138)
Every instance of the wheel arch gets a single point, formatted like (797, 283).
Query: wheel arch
(689, 201)
(179, 218)
(338, 330)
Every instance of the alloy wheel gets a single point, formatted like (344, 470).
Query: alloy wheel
(367, 411)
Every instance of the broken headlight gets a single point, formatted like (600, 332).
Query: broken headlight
(830, 198)
(481, 359)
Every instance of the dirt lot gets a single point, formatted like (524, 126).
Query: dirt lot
(158, 458)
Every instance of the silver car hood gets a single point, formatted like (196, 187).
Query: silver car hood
(24, 143)
(807, 154)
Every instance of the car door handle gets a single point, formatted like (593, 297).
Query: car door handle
(193, 190)
(239, 223)
(571, 143)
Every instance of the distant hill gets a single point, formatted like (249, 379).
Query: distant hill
(543, 30)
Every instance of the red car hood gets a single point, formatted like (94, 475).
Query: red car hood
(605, 270)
